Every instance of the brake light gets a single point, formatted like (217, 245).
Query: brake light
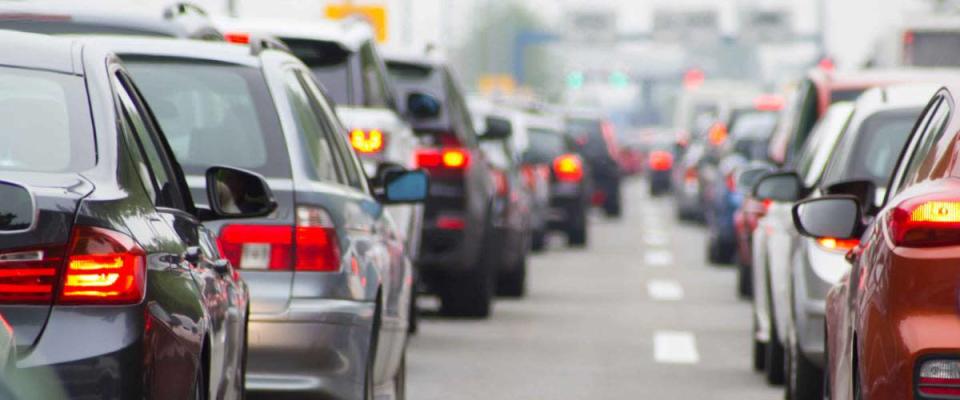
(529, 176)
(767, 203)
(717, 134)
(500, 183)
(568, 168)
(834, 244)
(454, 158)
(104, 267)
(939, 378)
(317, 246)
(660, 160)
(926, 223)
(690, 175)
(27, 276)
(371, 141)
(258, 247)
(768, 102)
(451, 223)
(237, 37)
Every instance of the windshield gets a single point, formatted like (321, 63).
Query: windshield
(871, 152)
(545, 145)
(44, 122)
(213, 114)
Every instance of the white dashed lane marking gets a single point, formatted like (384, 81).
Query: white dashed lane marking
(657, 258)
(675, 347)
(664, 290)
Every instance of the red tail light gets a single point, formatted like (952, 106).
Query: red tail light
(237, 37)
(500, 183)
(660, 160)
(529, 176)
(27, 276)
(568, 168)
(767, 203)
(690, 175)
(451, 223)
(717, 134)
(104, 267)
(367, 142)
(453, 158)
(939, 379)
(310, 246)
(841, 245)
(926, 223)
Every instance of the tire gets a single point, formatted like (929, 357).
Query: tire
(400, 380)
(744, 281)
(538, 242)
(759, 350)
(613, 206)
(804, 379)
(199, 386)
(368, 383)
(774, 355)
(577, 236)
(413, 323)
(713, 251)
(468, 294)
(513, 283)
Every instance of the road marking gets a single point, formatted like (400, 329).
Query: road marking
(675, 347)
(664, 290)
(657, 258)
(655, 239)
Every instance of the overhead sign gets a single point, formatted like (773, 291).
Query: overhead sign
(376, 15)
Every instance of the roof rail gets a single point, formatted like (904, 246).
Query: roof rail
(260, 43)
(182, 8)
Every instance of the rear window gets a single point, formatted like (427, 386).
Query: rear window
(589, 135)
(934, 49)
(330, 64)
(751, 132)
(44, 122)
(545, 145)
(837, 96)
(213, 114)
(871, 152)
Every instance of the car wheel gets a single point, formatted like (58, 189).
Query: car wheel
(368, 383)
(759, 350)
(469, 294)
(613, 207)
(713, 251)
(805, 379)
(513, 283)
(400, 380)
(774, 356)
(744, 280)
(413, 318)
(199, 386)
(539, 240)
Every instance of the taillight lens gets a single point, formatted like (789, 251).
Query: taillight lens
(367, 142)
(926, 223)
(841, 245)
(717, 134)
(939, 379)
(767, 203)
(237, 37)
(453, 158)
(690, 175)
(104, 267)
(27, 276)
(660, 160)
(317, 246)
(568, 168)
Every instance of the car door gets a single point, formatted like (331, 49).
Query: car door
(395, 271)
(190, 246)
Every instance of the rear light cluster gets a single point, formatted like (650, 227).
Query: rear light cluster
(833, 244)
(926, 223)
(568, 168)
(939, 379)
(453, 158)
(690, 175)
(367, 142)
(100, 267)
(660, 160)
(717, 134)
(237, 37)
(311, 245)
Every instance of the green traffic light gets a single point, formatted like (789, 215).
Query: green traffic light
(619, 79)
(575, 80)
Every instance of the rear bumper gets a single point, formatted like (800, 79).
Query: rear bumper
(316, 348)
(117, 375)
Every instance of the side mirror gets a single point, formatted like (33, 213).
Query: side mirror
(748, 178)
(497, 129)
(235, 193)
(405, 187)
(865, 191)
(423, 106)
(779, 186)
(835, 217)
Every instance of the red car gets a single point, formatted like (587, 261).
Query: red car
(893, 323)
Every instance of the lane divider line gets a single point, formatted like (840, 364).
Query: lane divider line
(665, 290)
(657, 258)
(675, 347)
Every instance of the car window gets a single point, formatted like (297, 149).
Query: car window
(330, 64)
(806, 117)
(750, 133)
(45, 123)
(165, 192)
(376, 91)
(313, 135)
(213, 114)
(336, 134)
(870, 151)
(459, 115)
(815, 155)
(918, 163)
(545, 145)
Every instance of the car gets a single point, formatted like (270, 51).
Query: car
(179, 20)
(745, 220)
(330, 282)
(659, 160)
(104, 240)
(596, 144)
(891, 321)
(455, 259)
(744, 139)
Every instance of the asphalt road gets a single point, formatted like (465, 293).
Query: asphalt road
(639, 314)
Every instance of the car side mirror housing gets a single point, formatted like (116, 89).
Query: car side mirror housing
(779, 186)
(835, 217)
(865, 191)
(401, 186)
(497, 129)
(235, 193)
(423, 106)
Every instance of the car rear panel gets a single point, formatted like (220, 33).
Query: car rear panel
(57, 197)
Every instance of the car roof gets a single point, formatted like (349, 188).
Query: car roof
(350, 34)
(35, 51)
(178, 20)
(166, 47)
(897, 97)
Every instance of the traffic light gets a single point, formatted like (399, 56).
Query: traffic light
(619, 79)
(575, 80)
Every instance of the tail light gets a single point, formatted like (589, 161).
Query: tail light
(768, 102)
(767, 203)
(237, 37)
(690, 175)
(841, 245)
(926, 223)
(104, 267)
(501, 183)
(311, 245)
(453, 158)
(529, 176)
(939, 379)
(568, 168)
(717, 134)
(367, 142)
(660, 160)
(451, 223)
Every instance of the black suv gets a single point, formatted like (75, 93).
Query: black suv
(456, 224)
(596, 143)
